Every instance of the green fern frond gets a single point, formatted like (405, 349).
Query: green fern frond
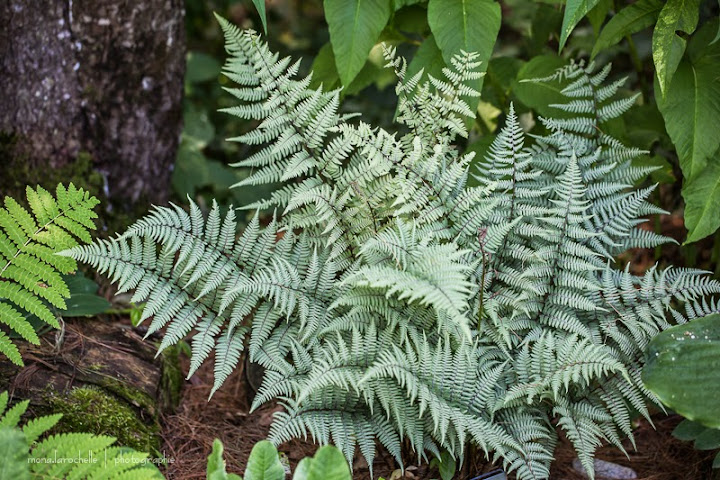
(29, 269)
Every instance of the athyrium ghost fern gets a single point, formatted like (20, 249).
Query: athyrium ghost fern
(390, 301)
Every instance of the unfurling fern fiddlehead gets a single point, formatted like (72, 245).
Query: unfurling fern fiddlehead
(361, 298)
(30, 270)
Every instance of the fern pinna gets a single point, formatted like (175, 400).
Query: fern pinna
(390, 301)
(30, 270)
(67, 455)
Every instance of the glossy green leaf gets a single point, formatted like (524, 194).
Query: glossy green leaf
(702, 203)
(85, 305)
(328, 464)
(691, 109)
(708, 440)
(355, 26)
(260, 6)
(83, 301)
(631, 19)
(427, 58)
(465, 25)
(687, 430)
(264, 463)
(683, 369)
(575, 10)
(668, 47)
(323, 68)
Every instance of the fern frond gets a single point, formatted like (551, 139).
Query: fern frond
(29, 269)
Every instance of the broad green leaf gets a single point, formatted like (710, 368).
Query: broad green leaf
(85, 305)
(83, 301)
(323, 69)
(708, 440)
(631, 19)
(702, 203)
(575, 10)
(260, 5)
(539, 96)
(465, 25)
(328, 464)
(355, 26)
(264, 463)
(683, 369)
(598, 14)
(427, 58)
(691, 109)
(687, 430)
(216, 464)
(668, 47)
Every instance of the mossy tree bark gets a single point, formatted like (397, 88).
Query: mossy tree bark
(97, 79)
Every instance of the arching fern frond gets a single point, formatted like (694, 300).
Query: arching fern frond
(30, 272)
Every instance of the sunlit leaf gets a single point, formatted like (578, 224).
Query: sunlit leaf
(668, 47)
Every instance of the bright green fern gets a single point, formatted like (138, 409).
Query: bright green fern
(390, 302)
(30, 270)
(68, 455)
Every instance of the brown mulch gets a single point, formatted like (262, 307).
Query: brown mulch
(188, 434)
(659, 455)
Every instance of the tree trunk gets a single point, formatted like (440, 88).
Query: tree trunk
(94, 81)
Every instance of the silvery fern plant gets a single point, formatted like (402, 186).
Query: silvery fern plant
(391, 302)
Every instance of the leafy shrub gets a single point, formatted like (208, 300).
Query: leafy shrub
(389, 301)
(68, 455)
(30, 272)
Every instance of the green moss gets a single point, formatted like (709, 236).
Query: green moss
(87, 409)
(19, 172)
(172, 378)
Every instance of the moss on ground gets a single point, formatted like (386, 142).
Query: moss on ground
(91, 410)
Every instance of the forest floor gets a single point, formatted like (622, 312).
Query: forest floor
(188, 435)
